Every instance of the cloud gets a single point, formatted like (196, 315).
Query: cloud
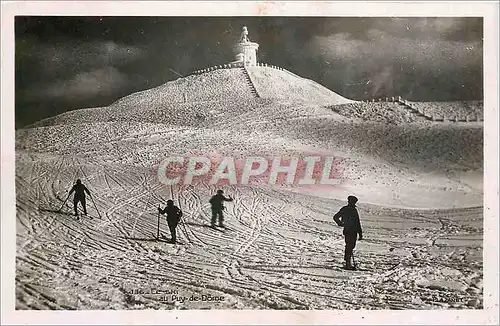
(55, 58)
(98, 82)
(464, 29)
(419, 28)
(384, 59)
(382, 49)
(73, 70)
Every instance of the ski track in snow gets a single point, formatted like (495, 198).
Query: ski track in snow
(276, 253)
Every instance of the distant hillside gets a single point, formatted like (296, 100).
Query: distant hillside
(197, 114)
(391, 113)
(281, 84)
(193, 99)
(233, 83)
(210, 86)
(450, 110)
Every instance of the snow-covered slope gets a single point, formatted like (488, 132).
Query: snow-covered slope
(282, 84)
(214, 85)
(281, 249)
(404, 164)
(450, 110)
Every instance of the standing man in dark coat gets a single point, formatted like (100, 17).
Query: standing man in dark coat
(79, 189)
(217, 207)
(348, 218)
(174, 214)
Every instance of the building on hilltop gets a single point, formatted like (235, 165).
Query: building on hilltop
(255, 80)
(245, 51)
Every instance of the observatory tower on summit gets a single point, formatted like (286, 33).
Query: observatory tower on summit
(245, 51)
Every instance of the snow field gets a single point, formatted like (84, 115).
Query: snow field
(281, 250)
(281, 84)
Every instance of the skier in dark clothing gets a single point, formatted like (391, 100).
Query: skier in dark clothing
(174, 214)
(348, 218)
(79, 189)
(217, 207)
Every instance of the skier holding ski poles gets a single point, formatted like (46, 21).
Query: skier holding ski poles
(348, 217)
(174, 214)
(79, 189)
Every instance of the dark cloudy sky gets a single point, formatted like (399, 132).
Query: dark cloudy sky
(64, 63)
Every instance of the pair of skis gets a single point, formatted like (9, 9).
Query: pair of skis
(162, 237)
(219, 228)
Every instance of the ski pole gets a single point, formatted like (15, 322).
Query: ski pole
(93, 202)
(158, 228)
(63, 203)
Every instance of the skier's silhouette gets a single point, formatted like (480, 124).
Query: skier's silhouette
(348, 218)
(217, 207)
(174, 214)
(79, 189)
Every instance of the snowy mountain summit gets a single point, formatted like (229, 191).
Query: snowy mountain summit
(418, 180)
